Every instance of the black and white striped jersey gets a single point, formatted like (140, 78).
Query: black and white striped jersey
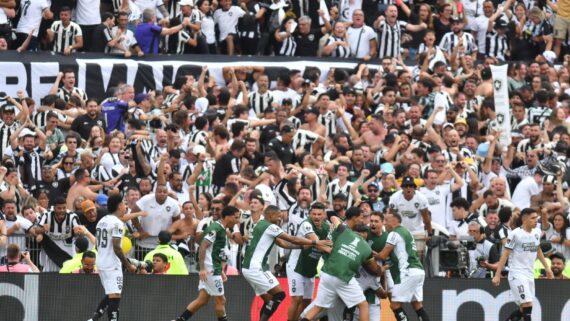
(334, 188)
(65, 94)
(389, 38)
(288, 47)
(497, 46)
(40, 118)
(5, 133)
(340, 51)
(30, 165)
(61, 232)
(304, 139)
(203, 181)
(65, 36)
(259, 102)
(329, 121)
(284, 199)
(4, 186)
(450, 40)
(199, 137)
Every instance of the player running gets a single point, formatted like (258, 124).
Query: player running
(349, 252)
(406, 269)
(522, 249)
(302, 263)
(110, 256)
(255, 269)
(210, 256)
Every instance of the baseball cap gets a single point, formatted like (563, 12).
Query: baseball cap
(186, 3)
(9, 108)
(549, 56)
(198, 149)
(408, 181)
(551, 179)
(286, 129)
(500, 23)
(140, 97)
(87, 205)
(26, 132)
(461, 120)
(313, 110)
(456, 19)
(483, 149)
(201, 104)
(448, 125)
(102, 199)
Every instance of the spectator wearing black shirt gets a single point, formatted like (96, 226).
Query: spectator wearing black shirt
(103, 39)
(283, 145)
(307, 38)
(230, 163)
(55, 188)
(91, 215)
(84, 123)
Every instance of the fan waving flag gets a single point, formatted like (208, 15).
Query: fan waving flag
(501, 95)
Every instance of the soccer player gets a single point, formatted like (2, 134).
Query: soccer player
(255, 270)
(349, 252)
(212, 277)
(302, 264)
(110, 256)
(406, 269)
(522, 249)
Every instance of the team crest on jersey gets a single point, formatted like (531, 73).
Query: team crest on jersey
(54, 184)
(32, 154)
(311, 37)
(436, 192)
(230, 13)
(211, 234)
(168, 208)
(67, 230)
(417, 205)
(307, 228)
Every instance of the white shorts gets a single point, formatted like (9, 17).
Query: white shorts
(260, 281)
(112, 281)
(299, 285)
(411, 287)
(522, 289)
(331, 288)
(214, 286)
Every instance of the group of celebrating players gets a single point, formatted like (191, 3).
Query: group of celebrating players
(365, 259)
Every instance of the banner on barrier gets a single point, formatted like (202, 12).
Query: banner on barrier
(55, 297)
(97, 73)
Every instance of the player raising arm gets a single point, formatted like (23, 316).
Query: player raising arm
(110, 256)
(522, 249)
(212, 277)
(349, 252)
(255, 270)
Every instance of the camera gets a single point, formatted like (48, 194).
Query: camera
(146, 265)
(453, 257)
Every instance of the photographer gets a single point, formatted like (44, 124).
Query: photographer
(15, 258)
(485, 256)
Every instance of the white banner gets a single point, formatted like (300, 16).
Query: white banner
(502, 108)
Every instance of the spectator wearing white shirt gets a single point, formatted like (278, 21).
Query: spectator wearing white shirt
(65, 34)
(163, 211)
(31, 14)
(361, 38)
(525, 189)
(472, 9)
(88, 17)
(226, 17)
(127, 43)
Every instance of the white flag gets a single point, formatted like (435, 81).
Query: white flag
(323, 6)
(502, 109)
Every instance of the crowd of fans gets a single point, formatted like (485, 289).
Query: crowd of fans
(421, 141)
(428, 32)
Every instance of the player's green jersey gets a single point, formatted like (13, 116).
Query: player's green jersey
(349, 251)
(309, 257)
(215, 233)
(404, 255)
(257, 251)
